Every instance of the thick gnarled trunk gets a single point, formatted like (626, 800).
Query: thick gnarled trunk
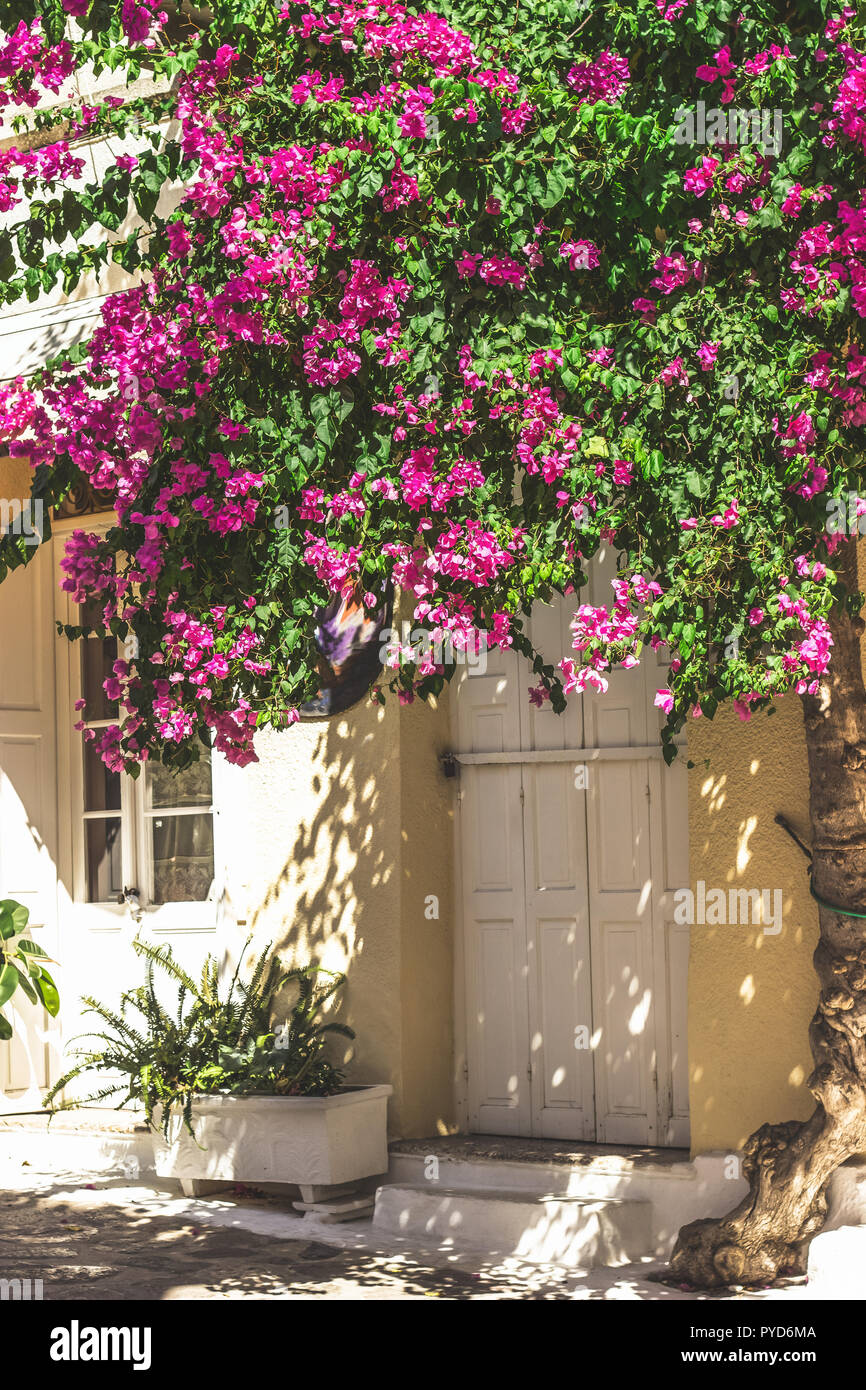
(788, 1165)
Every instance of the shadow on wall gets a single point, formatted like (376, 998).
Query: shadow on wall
(337, 880)
(752, 994)
(349, 825)
(752, 987)
(29, 337)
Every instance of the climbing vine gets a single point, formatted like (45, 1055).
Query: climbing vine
(450, 300)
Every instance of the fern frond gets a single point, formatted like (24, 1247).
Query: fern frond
(164, 958)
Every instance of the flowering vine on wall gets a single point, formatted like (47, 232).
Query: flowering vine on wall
(449, 299)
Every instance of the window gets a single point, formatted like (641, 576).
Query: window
(152, 835)
(103, 795)
(177, 825)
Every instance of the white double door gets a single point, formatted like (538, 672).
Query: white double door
(573, 838)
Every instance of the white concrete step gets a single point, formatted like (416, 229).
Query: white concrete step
(576, 1232)
(837, 1263)
(676, 1190)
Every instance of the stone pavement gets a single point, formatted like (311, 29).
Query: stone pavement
(111, 1239)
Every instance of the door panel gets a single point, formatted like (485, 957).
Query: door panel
(494, 908)
(28, 818)
(670, 847)
(560, 1006)
(554, 833)
(620, 909)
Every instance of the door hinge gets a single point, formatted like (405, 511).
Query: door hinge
(465, 1071)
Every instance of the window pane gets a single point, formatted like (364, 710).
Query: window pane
(98, 656)
(104, 860)
(164, 788)
(101, 787)
(182, 848)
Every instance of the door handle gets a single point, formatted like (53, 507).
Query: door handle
(132, 899)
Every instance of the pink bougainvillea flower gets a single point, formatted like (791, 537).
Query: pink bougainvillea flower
(707, 354)
(603, 79)
(581, 255)
(729, 518)
(467, 264)
(179, 240)
(646, 308)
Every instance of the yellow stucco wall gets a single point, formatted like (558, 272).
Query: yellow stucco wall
(339, 834)
(15, 478)
(751, 995)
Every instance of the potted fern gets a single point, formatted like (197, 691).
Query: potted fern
(229, 1095)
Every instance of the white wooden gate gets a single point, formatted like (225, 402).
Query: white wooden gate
(573, 838)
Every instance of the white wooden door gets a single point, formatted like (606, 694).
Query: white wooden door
(28, 810)
(573, 838)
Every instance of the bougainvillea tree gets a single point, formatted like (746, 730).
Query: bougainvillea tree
(447, 300)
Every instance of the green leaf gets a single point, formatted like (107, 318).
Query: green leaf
(557, 183)
(48, 993)
(28, 989)
(13, 915)
(30, 948)
(9, 981)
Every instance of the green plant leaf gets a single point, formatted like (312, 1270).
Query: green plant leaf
(9, 981)
(48, 993)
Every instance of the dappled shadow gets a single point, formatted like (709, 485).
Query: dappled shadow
(558, 1152)
(345, 852)
(752, 987)
(109, 1243)
(331, 897)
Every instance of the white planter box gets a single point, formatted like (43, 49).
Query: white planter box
(312, 1141)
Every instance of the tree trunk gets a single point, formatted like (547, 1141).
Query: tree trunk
(788, 1165)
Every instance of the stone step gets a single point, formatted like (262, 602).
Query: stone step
(555, 1228)
(350, 1207)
